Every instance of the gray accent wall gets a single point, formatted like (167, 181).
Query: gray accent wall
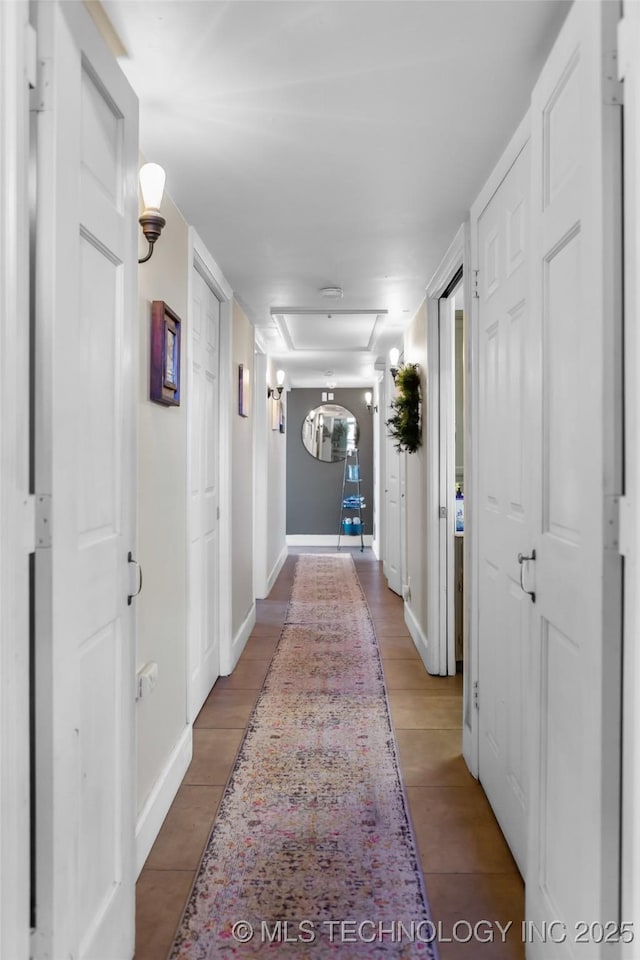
(314, 488)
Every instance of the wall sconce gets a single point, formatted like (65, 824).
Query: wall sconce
(152, 178)
(276, 392)
(368, 399)
(394, 357)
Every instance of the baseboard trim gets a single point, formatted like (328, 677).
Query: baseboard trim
(273, 576)
(157, 804)
(419, 637)
(239, 641)
(325, 540)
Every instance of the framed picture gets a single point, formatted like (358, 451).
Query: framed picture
(244, 390)
(164, 380)
(281, 418)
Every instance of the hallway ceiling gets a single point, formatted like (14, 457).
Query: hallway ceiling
(316, 144)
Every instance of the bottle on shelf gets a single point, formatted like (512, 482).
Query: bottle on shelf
(459, 523)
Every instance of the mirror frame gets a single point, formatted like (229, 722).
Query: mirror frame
(322, 410)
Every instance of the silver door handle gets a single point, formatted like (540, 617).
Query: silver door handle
(522, 559)
(132, 596)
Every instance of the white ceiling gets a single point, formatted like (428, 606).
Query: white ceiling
(330, 143)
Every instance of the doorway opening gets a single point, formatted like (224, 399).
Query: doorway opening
(451, 433)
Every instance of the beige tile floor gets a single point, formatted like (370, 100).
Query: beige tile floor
(469, 872)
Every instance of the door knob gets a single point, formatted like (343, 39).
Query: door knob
(132, 596)
(522, 559)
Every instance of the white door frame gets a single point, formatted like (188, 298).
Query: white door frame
(629, 521)
(437, 531)
(199, 258)
(16, 506)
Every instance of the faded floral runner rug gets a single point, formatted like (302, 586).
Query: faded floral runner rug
(312, 854)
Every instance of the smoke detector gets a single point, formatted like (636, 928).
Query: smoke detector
(332, 293)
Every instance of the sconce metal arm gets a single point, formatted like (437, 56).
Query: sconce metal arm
(152, 224)
(148, 256)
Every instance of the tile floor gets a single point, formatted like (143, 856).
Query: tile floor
(469, 872)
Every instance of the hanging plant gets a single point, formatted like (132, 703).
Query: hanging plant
(405, 426)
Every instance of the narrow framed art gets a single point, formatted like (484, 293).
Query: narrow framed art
(244, 390)
(164, 381)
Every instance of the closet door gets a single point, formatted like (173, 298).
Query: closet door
(204, 493)
(87, 317)
(575, 363)
(505, 462)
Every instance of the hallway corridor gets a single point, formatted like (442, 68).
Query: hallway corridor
(469, 872)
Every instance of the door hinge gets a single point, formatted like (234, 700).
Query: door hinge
(218, 513)
(612, 89)
(475, 283)
(43, 521)
(29, 526)
(611, 520)
(624, 521)
(443, 513)
(40, 92)
(476, 695)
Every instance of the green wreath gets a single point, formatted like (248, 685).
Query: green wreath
(405, 426)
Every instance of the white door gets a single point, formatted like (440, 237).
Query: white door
(204, 545)
(392, 496)
(505, 457)
(573, 868)
(87, 318)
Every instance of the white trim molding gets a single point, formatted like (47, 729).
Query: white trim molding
(157, 804)
(451, 263)
(277, 567)
(629, 520)
(17, 525)
(326, 540)
(239, 642)
(417, 634)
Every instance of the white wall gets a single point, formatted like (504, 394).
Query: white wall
(415, 351)
(276, 481)
(162, 451)
(243, 605)
(270, 479)
(164, 734)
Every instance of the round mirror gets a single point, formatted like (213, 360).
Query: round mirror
(329, 431)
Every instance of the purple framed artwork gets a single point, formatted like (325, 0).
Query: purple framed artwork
(164, 381)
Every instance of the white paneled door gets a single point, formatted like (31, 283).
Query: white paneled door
(87, 317)
(573, 867)
(505, 530)
(204, 545)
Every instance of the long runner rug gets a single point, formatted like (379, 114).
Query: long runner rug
(312, 853)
